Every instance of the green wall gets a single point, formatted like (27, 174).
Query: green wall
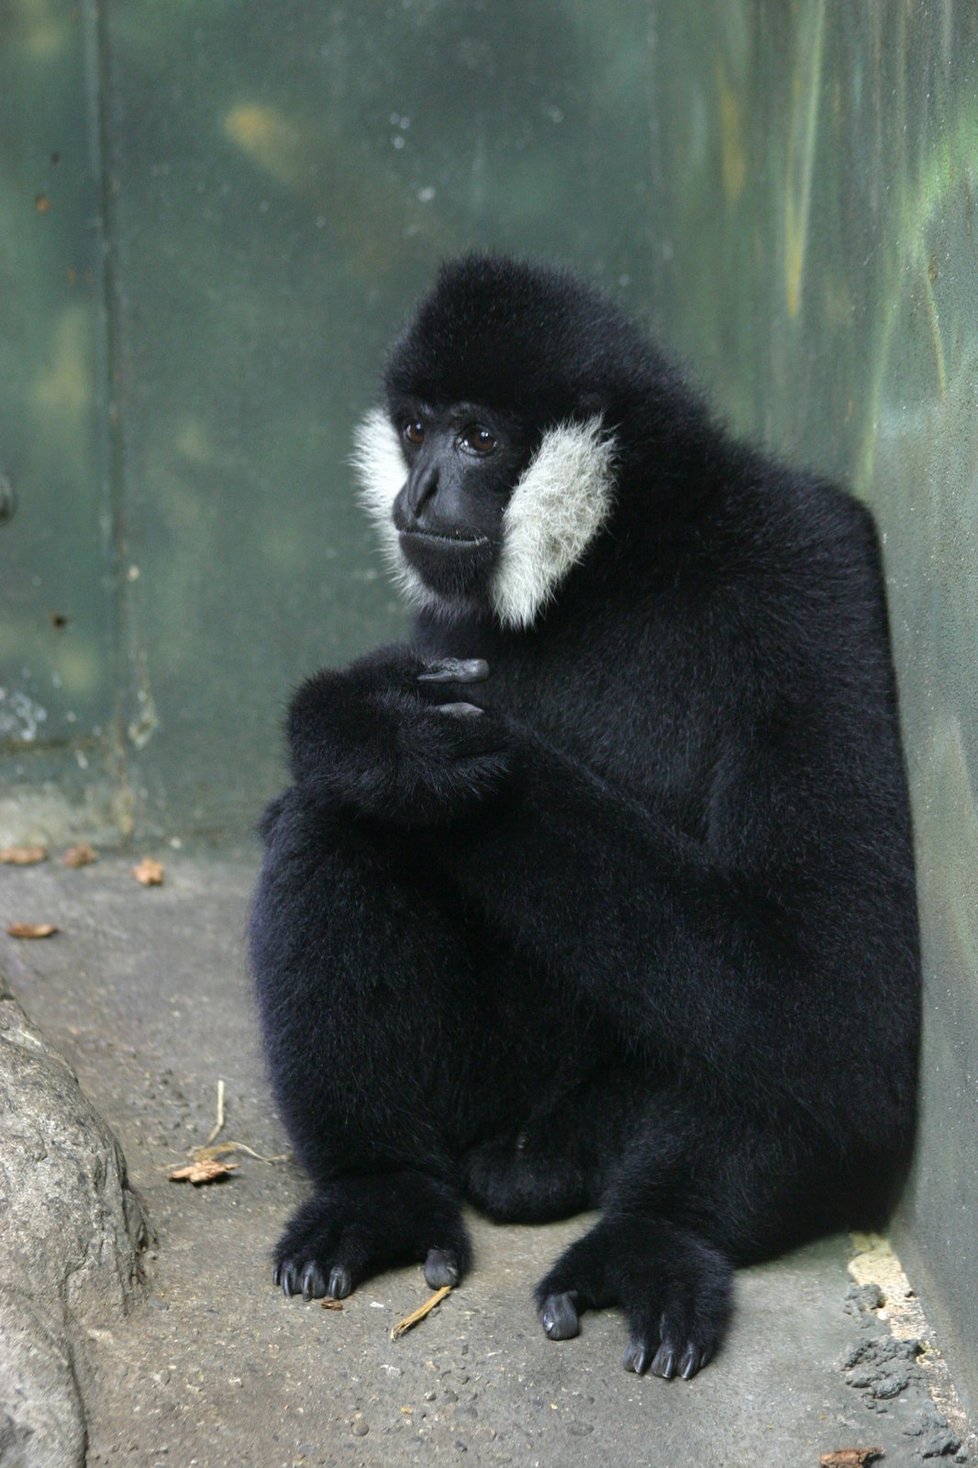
(213, 215)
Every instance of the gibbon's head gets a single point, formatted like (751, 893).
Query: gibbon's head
(490, 470)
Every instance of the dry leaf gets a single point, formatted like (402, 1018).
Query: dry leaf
(330, 1304)
(208, 1171)
(32, 930)
(420, 1313)
(79, 856)
(23, 856)
(149, 872)
(850, 1457)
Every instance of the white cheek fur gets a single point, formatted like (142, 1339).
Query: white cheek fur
(381, 469)
(559, 504)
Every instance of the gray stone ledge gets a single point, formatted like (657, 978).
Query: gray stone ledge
(70, 1234)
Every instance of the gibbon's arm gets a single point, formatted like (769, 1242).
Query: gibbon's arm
(743, 964)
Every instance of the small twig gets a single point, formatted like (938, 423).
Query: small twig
(419, 1314)
(211, 1151)
(219, 1124)
(205, 1150)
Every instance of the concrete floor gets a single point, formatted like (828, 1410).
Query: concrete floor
(146, 993)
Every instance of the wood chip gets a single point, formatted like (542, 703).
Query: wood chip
(23, 856)
(330, 1304)
(149, 873)
(850, 1457)
(210, 1170)
(80, 856)
(411, 1320)
(32, 930)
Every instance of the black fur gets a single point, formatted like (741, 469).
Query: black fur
(642, 935)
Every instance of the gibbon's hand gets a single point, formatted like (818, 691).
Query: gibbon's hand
(390, 737)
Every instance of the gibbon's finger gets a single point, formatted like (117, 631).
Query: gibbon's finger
(455, 670)
(457, 710)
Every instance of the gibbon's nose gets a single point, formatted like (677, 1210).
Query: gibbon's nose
(422, 488)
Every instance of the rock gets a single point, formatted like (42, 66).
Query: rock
(882, 1365)
(41, 1417)
(70, 1234)
(931, 1427)
(862, 1300)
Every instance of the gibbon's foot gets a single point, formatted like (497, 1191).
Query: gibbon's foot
(309, 1281)
(354, 1227)
(558, 1314)
(673, 1287)
(440, 1269)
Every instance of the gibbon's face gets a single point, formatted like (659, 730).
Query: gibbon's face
(478, 513)
(462, 463)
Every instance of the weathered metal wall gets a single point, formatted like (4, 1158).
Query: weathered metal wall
(275, 184)
(58, 600)
(816, 172)
(212, 217)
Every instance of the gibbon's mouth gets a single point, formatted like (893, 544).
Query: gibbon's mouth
(436, 538)
(455, 566)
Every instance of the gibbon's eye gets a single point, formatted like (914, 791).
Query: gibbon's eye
(479, 439)
(413, 431)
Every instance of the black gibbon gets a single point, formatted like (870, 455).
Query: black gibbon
(600, 892)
